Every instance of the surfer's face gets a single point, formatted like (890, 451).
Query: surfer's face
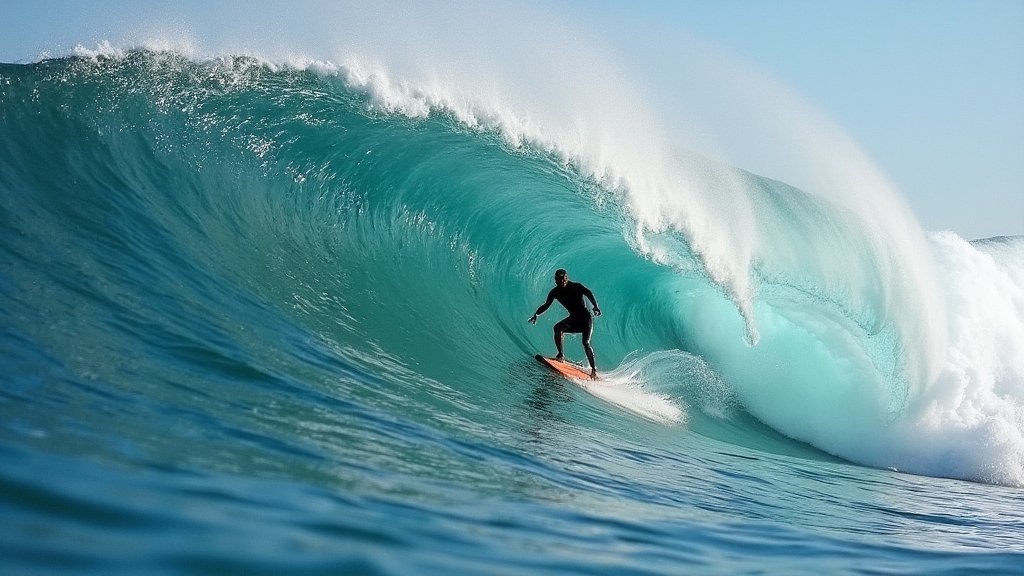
(561, 279)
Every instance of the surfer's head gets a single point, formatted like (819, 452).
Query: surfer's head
(561, 277)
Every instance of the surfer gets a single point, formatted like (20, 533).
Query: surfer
(570, 296)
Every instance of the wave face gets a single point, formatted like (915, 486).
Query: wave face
(210, 262)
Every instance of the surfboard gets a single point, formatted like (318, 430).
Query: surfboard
(566, 369)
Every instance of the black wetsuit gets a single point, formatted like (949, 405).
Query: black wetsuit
(579, 319)
(571, 297)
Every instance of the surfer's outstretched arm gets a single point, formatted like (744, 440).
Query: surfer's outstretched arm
(543, 307)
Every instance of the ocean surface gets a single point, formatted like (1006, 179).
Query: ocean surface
(259, 318)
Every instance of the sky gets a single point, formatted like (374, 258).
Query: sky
(931, 90)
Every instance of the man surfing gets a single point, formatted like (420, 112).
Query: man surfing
(570, 295)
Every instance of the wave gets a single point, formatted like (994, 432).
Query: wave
(158, 205)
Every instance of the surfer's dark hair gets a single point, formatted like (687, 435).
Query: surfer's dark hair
(561, 272)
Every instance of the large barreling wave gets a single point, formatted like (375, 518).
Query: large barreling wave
(172, 221)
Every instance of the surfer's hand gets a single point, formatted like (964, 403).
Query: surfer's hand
(597, 311)
(533, 319)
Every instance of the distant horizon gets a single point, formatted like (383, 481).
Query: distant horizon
(933, 92)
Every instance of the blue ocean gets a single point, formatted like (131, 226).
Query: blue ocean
(267, 318)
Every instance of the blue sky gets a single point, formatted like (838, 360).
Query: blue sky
(933, 91)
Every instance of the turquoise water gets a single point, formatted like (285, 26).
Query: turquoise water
(255, 321)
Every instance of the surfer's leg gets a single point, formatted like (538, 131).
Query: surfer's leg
(587, 332)
(560, 328)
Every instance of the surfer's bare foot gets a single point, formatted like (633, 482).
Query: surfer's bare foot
(593, 374)
(560, 358)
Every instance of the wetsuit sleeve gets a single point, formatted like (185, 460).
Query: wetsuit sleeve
(590, 296)
(543, 307)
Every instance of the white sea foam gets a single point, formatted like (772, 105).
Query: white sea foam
(626, 388)
(969, 421)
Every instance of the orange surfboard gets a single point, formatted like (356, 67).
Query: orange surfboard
(564, 368)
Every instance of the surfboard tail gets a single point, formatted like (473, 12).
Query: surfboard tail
(565, 369)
